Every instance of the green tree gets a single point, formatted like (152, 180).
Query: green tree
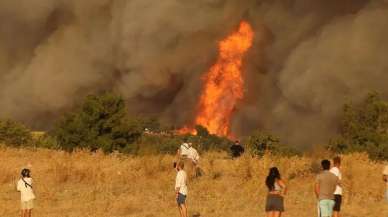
(364, 127)
(101, 123)
(201, 131)
(14, 134)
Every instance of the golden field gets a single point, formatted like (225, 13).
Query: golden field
(93, 184)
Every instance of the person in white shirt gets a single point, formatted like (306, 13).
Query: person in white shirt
(187, 151)
(24, 186)
(181, 189)
(184, 150)
(338, 191)
(193, 154)
(385, 178)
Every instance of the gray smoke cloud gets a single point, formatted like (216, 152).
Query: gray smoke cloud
(308, 58)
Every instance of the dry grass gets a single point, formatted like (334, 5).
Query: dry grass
(84, 184)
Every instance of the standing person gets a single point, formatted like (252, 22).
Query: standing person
(325, 185)
(276, 191)
(182, 152)
(24, 186)
(184, 149)
(236, 149)
(194, 157)
(385, 178)
(181, 189)
(187, 152)
(193, 154)
(338, 190)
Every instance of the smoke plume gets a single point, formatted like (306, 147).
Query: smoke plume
(308, 58)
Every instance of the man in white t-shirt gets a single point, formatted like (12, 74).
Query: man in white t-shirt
(385, 178)
(193, 155)
(186, 150)
(338, 191)
(181, 189)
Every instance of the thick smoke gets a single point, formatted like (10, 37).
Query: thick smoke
(309, 57)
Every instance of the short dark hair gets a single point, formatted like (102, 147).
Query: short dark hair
(325, 164)
(337, 160)
(25, 173)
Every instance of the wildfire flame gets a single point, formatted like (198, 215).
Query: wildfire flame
(223, 84)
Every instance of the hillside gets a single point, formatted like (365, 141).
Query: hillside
(85, 184)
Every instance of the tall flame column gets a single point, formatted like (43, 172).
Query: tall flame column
(223, 84)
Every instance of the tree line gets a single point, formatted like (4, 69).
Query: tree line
(102, 123)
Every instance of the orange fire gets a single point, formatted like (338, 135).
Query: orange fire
(223, 84)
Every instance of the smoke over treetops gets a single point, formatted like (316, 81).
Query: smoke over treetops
(307, 59)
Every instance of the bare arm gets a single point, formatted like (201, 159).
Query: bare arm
(317, 189)
(177, 185)
(283, 185)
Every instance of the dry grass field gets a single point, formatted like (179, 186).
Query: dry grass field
(82, 184)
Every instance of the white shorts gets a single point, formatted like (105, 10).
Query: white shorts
(25, 205)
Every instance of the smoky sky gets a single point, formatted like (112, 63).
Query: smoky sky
(308, 58)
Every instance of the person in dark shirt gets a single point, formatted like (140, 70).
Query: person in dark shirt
(236, 149)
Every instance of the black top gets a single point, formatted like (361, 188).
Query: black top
(236, 150)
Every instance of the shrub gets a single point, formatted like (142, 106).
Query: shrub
(260, 142)
(46, 141)
(204, 141)
(150, 123)
(211, 142)
(14, 134)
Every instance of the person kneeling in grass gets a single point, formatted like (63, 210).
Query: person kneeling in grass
(181, 189)
(24, 186)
